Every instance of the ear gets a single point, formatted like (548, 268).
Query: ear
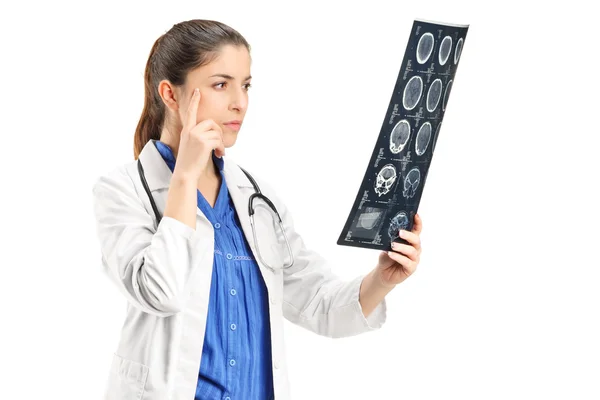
(170, 95)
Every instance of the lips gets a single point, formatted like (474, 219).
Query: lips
(233, 124)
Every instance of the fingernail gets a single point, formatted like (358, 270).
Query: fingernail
(394, 245)
(400, 232)
(196, 91)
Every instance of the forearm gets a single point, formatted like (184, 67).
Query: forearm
(182, 200)
(372, 292)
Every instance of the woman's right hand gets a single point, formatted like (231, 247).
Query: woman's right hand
(197, 142)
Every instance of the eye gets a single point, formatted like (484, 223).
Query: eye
(220, 83)
(248, 86)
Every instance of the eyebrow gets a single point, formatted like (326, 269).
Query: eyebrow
(228, 76)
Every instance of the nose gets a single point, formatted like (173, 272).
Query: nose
(239, 100)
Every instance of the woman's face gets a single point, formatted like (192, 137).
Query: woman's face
(223, 85)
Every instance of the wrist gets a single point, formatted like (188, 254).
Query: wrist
(380, 282)
(183, 178)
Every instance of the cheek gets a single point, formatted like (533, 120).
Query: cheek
(205, 113)
(211, 107)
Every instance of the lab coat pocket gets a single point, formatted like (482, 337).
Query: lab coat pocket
(127, 379)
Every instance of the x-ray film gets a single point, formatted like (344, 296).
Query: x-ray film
(391, 189)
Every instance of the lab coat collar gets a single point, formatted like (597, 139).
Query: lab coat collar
(158, 174)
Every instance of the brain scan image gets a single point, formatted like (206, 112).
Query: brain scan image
(435, 137)
(459, 46)
(446, 94)
(399, 136)
(399, 221)
(425, 48)
(423, 138)
(385, 179)
(445, 49)
(434, 94)
(412, 92)
(411, 183)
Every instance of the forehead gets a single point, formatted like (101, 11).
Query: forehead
(231, 60)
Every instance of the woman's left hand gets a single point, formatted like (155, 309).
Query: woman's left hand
(397, 265)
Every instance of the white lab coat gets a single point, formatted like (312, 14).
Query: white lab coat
(165, 274)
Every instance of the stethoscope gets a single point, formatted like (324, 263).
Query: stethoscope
(256, 195)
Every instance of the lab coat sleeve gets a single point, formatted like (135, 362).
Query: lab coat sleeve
(317, 299)
(150, 266)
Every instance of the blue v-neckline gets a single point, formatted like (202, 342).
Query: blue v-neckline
(222, 198)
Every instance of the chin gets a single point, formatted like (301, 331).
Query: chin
(229, 141)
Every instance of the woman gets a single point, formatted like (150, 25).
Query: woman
(205, 300)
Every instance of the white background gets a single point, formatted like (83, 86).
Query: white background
(505, 302)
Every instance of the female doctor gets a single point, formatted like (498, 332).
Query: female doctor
(207, 284)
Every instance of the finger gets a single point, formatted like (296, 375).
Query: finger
(209, 129)
(192, 111)
(411, 238)
(220, 146)
(216, 143)
(217, 128)
(418, 225)
(404, 261)
(208, 125)
(406, 250)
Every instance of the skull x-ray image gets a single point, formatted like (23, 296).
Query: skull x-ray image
(434, 94)
(446, 94)
(411, 182)
(425, 48)
(423, 138)
(459, 45)
(399, 136)
(392, 187)
(399, 221)
(385, 179)
(437, 131)
(412, 92)
(445, 49)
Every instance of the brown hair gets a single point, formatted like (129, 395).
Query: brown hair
(185, 47)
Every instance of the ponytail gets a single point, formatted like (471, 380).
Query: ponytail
(150, 123)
